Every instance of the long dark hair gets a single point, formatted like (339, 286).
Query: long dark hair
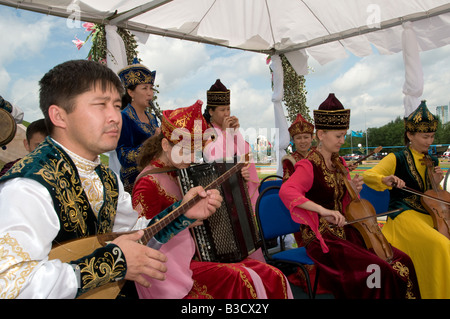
(126, 98)
(151, 149)
(206, 114)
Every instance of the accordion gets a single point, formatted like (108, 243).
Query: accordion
(230, 234)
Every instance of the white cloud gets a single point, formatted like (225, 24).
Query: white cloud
(21, 39)
(25, 94)
(4, 79)
(372, 87)
(186, 70)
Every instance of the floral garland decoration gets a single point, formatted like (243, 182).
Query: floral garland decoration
(294, 96)
(99, 50)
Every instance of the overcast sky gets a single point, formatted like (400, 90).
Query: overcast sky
(371, 87)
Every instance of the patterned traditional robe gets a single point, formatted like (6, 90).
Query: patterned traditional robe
(51, 196)
(188, 278)
(289, 162)
(340, 253)
(133, 134)
(412, 230)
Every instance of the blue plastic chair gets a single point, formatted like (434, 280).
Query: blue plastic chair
(379, 200)
(274, 220)
(268, 182)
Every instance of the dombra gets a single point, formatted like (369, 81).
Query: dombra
(8, 127)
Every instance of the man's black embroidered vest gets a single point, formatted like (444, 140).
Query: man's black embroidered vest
(53, 168)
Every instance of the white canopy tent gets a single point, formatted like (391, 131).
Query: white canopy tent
(323, 29)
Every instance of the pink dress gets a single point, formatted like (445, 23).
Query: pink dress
(188, 278)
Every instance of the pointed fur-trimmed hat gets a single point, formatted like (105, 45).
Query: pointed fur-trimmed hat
(217, 95)
(136, 73)
(421, 120)
(300, 125)
(331, 115)
(185, 124)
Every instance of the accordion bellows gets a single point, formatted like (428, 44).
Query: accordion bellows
(230, 234)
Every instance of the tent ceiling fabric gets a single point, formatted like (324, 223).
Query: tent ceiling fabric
(325, 28)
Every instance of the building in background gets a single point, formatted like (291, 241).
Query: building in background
(442, 112)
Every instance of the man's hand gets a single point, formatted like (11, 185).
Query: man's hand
(210, 202)
(141, 260)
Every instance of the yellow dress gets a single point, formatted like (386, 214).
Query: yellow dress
(413, 233)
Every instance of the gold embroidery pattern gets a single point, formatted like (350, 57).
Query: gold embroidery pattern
(147, 128)
(412, 168)
(73, 212)
(57, 173)
(99, 270)
(403, 271)
(335, 182)
(198, 291)
(243, 276)
(109, 209)
(16, 270)
(139, 204)
(280, 274)
(217, 98)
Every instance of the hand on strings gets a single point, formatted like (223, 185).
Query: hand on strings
(438, 174)
(393, 181)
(210, 202)
(141, 260)
(352, 166)
(332, 216)
(357, 183)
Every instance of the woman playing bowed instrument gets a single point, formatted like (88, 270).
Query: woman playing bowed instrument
(317, 198)
(412, 230)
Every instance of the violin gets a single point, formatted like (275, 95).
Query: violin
(362, 215)
(438, 209)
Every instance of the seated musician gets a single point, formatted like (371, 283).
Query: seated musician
(227, 139)
(35, 134)
(412, 230)
(138, 123)
(317, 198)
(155, 190)
(61, 191)
(301, 132)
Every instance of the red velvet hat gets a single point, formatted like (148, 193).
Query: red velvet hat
(331, 115)
(217, 95)
(185, 124)
(300, 125)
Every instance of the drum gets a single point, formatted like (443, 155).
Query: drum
(8, 127)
